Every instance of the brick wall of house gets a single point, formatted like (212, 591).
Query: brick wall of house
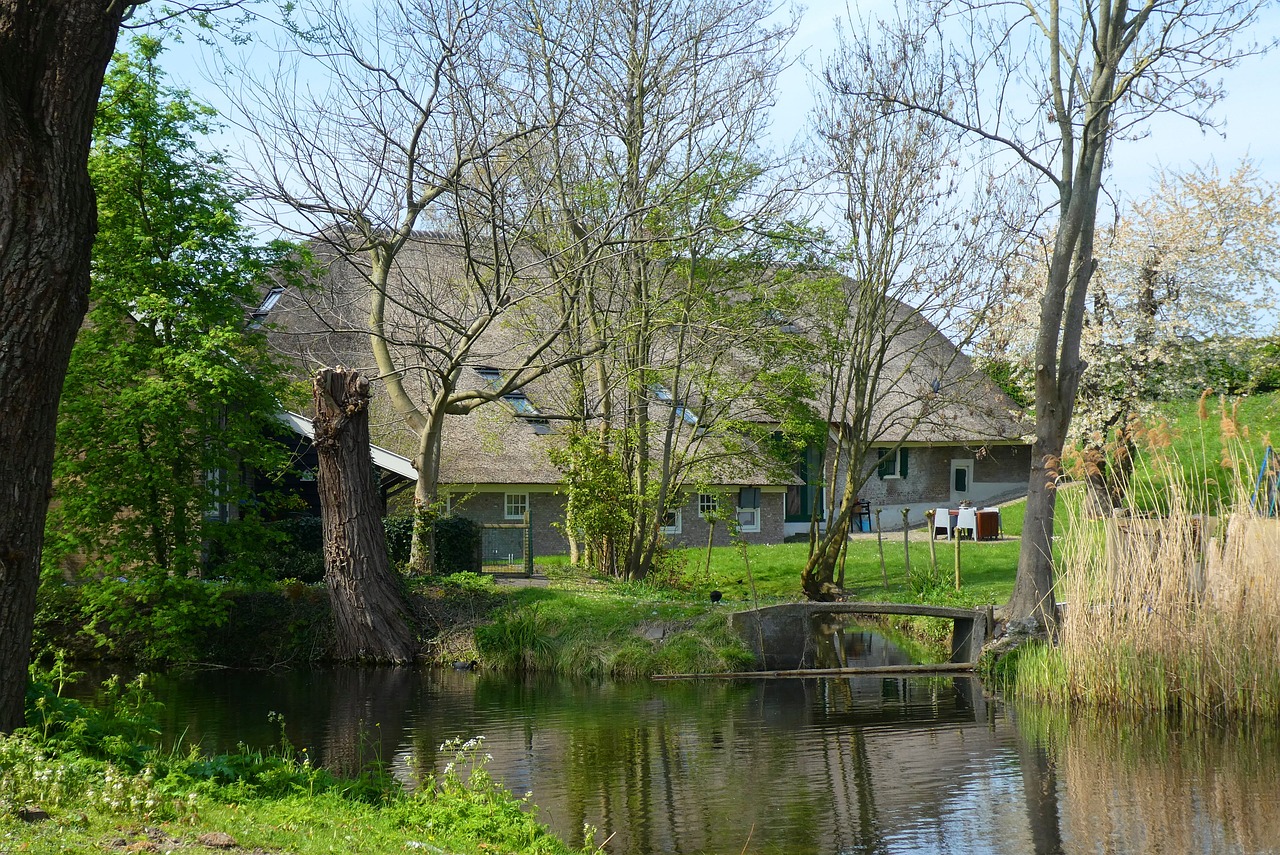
(1003, 463)
(929, 473)
(928, 479)
(544, 507)
(693, 529)
(547, 509)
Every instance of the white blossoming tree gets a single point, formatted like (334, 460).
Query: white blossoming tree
(1189, 269)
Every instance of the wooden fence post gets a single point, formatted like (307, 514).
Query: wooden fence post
(884, 574)
(906, 542)
(955, 535)
(931, 517)
(528, 541)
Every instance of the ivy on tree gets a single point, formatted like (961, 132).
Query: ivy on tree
(171, 389)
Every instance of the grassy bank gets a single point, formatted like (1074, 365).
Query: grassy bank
(594, 627)
(602, 634)
(87, 780)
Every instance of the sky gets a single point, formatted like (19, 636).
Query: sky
(1250, 113)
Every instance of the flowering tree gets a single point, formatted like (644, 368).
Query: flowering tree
(1195, 262)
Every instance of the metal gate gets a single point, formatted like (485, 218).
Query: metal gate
(507, 547)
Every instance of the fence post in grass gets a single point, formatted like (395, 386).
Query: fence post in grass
(528, 542)
(956, 538)
(930, 517)
(906, 542)
(884, 574)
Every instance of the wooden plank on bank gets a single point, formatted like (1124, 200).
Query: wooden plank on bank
(869, 671)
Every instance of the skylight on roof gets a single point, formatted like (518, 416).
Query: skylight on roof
(521, 404)
(269, 301)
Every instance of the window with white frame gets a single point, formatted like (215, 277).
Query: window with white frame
(893, 465)
(517, 504)
(708, 504)
(671, 522)
(749, 509)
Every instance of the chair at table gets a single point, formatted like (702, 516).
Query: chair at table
(967, 520)
(862, 515)
(942, 522)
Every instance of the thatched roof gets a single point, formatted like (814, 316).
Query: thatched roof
(928, 390)
(432, 300)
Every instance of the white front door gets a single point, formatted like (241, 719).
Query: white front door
(961, 480)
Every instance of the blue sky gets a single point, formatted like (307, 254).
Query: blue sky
(1249, 115)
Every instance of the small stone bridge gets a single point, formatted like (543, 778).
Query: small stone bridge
(773, 629)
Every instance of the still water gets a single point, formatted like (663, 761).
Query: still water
(852, 765)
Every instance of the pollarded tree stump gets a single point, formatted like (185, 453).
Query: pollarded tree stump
(369, 609)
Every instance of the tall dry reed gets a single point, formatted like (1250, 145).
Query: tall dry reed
(1177, 610)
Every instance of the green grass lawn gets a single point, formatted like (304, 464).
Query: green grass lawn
(589, 611)
(987, 570)
(587, 625)
(1184, 446)
(771, 574)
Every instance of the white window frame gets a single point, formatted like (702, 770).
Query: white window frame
(521, 500)
(678, 521)
(708, 503)
(754, 525)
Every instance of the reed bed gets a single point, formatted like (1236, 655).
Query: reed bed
(1176, 609)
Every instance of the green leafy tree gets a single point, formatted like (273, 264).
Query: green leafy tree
(171, 390)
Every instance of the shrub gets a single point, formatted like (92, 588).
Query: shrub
(399, 531)
(1264, 367)
(298, 551)
(291, 623)
(457, 545)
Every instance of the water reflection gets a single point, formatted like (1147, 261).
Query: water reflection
(859, 765)
(1153, 786)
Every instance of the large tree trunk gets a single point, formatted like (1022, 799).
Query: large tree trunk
(1058, 371)
(1033, 587)
(52, 57)
(368, 605)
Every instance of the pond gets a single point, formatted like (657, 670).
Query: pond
(849, 765)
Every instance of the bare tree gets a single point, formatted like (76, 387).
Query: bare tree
(1185, 276)
(1053, 85)
(920, 240)
(421, 126)
(659, 185)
